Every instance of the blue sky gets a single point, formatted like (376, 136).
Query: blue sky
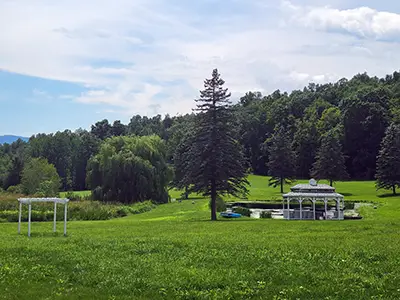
(69, 63)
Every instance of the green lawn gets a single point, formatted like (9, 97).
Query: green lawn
(174, 252)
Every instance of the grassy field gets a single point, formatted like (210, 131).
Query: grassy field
(174, 252)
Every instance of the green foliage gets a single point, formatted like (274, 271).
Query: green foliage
(388, 162)
(330, 119)
(130, 169)
(365, 119)
(281, 162)
(243, 211)
(183, 138)
(38, 176)
(82, 210)
(266, 215)
(305, 145)
(330, 162)
(220, 204)
(214, 163)
(15, 189)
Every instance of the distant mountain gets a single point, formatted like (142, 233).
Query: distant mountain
(8, 139)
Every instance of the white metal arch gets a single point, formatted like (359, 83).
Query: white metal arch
(29, 202)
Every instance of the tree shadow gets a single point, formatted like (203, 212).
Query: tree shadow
(347, 194)
(44, 234)
(388, 195)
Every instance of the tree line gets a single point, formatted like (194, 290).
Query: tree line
(343, 130)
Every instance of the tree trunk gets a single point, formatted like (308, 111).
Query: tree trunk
(281, 185)
(186, 193)
(213, 201)
(394, 189)
(331, 182)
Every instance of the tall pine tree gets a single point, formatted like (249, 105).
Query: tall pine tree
(388, 161)
(330, 161)
(281, 164)
(215, 163)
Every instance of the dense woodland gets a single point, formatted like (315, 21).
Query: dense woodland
(289, 136)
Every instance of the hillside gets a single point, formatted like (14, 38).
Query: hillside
(8, 139)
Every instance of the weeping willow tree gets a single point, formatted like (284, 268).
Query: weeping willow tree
(130, 169)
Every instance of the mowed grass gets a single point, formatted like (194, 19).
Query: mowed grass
(174, 252)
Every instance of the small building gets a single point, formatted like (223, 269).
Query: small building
(307, 195)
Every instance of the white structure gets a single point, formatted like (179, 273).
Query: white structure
(313, 192)
(29, 201)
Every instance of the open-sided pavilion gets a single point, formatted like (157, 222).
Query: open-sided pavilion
(312, 192)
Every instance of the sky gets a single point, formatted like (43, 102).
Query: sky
(66, 64)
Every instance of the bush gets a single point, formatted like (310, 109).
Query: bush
(243, 211)
(220, 204)
(14, 189)
(47, 188)
(266, 215)
(77, 197)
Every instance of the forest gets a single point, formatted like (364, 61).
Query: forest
(298, 135)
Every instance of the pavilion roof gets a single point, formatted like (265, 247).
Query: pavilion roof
(312, 195)
(312, 187)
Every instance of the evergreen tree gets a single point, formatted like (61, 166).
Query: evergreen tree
(330, 161)
(281, 164)
(215, 162)
(388, 161)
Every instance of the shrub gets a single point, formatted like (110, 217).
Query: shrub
(14, 189)
(266, 215)
(243, 211)
(47, 188)
(76, 197)
(220, 204)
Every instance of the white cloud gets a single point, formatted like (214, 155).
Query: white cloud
(147, 57)
(362, 21)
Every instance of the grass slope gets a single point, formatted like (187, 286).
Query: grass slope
(174, 252)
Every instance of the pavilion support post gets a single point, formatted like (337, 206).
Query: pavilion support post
(338, 208)
(326, 209)
(29, 218)
(19, 217)
(313, 204)
(55, 217)
(288, 209)
(301, 209)
(65, 218)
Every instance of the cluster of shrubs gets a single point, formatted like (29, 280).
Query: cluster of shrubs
(242, 210)
(220, 204)
(266, 215)
(14, 189)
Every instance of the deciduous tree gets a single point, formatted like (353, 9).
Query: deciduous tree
(38, 175)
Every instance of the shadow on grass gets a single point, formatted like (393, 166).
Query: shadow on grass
(44, 234)
(347, 194)
(388, 195)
